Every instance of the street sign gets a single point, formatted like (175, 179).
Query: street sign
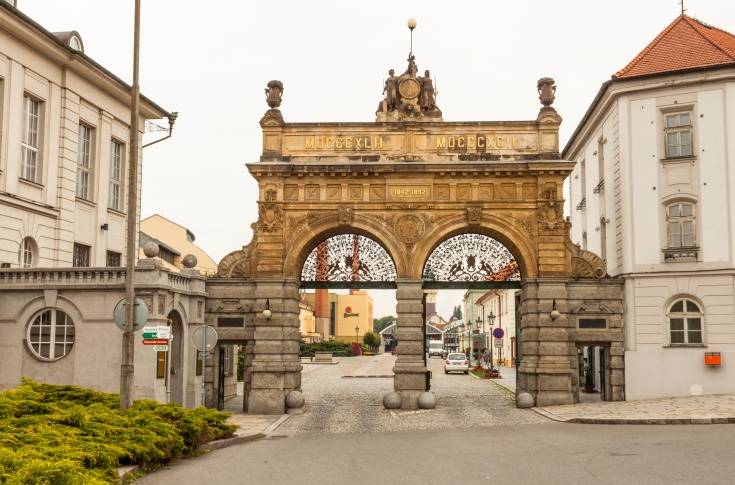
(140, 315)
(498, 343)
(160, 348)
(498, 333)
(204, 338)
(155, 341)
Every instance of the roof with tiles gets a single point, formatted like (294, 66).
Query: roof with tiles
(685, 44)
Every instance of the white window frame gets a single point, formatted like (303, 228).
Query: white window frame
(676, 150)
(686, 316)
(35, 341)
(680, 222)
(30, 143)
(85, 162)
(117, 171)
(27, 253)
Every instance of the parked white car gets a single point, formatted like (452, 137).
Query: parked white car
(456, 362)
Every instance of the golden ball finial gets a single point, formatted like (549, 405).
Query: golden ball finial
(411, 23)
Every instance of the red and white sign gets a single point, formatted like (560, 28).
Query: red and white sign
(155, 341)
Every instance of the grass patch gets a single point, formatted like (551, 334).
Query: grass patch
(479, 373)
(70, 435)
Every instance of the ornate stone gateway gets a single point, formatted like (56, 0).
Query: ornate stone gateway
(411, 201)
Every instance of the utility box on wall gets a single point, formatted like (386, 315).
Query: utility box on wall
(712, 359)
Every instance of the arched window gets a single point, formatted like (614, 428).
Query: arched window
(27, 253)
(50, 335)
(685, 322)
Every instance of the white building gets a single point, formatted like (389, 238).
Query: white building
(497, 309)
(64, 126)
(652, 193)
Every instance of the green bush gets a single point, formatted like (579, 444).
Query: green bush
(68, 435)
(372, 340)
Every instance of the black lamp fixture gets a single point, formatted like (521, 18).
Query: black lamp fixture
(104, 226)
(478, 322)
(491, 318)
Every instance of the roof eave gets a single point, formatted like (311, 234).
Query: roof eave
(69, 57)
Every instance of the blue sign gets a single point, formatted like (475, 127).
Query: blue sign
(498, 333)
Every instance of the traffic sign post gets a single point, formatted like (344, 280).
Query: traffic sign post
(140, 314)
(204, 339)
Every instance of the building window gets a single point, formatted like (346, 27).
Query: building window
(27, 252)
(50, 335)
(116, 173)
(113, 259)
(678, 134)
(599, 188)
(680, 221)
(29, 164)
(81, 255)
(84, 162)
(685, 323)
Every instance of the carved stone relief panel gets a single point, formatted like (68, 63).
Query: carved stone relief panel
(486, 192)
(441, 192)
(355, 192)
(290, 192)
(334, 192)
(507, 191)
(409, 228)
(464, 191)
(311, 192)
(377, 192)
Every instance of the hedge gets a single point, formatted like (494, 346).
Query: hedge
(69, 435)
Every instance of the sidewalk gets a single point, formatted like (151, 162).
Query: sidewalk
(713, 409)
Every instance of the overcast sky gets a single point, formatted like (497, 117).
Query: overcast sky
(211, 60)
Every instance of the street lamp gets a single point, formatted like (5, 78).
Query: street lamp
(491, 321)
(469, 339)
(357, 331)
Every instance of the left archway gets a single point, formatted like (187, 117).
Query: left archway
(348, 261)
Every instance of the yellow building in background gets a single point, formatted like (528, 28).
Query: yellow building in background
(350, 317)
(174, 242)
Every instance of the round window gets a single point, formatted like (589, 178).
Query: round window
(50, 335)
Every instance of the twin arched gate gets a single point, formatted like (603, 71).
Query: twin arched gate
(411, 183)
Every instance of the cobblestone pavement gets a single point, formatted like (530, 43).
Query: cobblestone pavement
(337, 404)
(679, 410)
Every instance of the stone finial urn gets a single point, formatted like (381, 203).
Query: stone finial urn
(273, 93)
(546, 91)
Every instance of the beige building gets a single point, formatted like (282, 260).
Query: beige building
(497, 310)
(307, 323)
(346, 312)
(175, 241)
(64, 155)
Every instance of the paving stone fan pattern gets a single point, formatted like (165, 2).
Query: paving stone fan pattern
(338, 404)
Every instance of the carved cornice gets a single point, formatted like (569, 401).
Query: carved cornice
(586, 264)
(236, 264)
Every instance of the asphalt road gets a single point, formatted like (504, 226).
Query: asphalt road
(541, 453)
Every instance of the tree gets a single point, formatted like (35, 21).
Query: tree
(372, 340)
(457, 313)
(379, 324)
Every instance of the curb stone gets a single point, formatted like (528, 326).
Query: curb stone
(638, 421)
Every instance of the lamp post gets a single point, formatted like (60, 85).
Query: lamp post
(491, 320)
(469, 339)
(127, 367)
(357, 331)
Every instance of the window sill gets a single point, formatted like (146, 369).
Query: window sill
(116, 212)
(688, 158)
(86, 202)
(681, 255)
(31, 183)
(685, 346)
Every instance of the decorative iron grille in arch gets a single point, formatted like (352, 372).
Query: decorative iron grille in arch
(348, 258)
(471, 257)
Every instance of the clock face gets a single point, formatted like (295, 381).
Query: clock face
(409, 88)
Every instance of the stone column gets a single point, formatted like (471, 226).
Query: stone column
(275, 368)
(547, 367)
(409, 378)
